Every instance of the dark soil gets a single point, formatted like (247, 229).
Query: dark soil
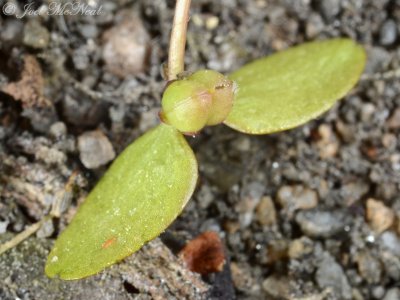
(311, 213)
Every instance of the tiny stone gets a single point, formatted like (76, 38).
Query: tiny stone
(331, 275)
(300, 247)
(314, 25)
(278, 287)
(212, 22)
(378, 292)
(265, 212)
(95, 149)
(58, 130)
(3, 226)
(250, 198)
(126, 46)
(390, 241)
(296, 197)
(242, 276)
(354, 191)
(277, 250)
(80, 58)
(35, 35)
(387, 190)
(388, 33)
(11, 32)
(394, 121)
(369, 267)
(379, 216)
(149, 119)
(391, 264)
(197, 20)
(315, 223)
(231, 227)
(356, 294)
(246, 209)
(46, 230)
(328, 144)
(88, 31)
(392, 294)
(367, 110)
(389, 141)
(378, 60)
(242, 144)
(329, 8)
(205, 196)
(211, 225)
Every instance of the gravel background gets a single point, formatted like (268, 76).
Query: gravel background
(311, 213)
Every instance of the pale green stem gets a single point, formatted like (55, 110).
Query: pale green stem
(178, 39)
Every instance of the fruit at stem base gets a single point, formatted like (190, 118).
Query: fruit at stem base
(201, 99)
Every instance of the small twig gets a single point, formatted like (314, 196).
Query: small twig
(54, 213)
(58, 205)
(20, 237)
(176, 59)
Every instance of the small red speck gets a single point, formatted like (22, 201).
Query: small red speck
(109, 242)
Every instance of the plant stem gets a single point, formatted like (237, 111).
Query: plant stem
(176, 59)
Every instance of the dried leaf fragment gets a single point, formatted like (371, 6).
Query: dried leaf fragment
(204, 254)
(29, 89)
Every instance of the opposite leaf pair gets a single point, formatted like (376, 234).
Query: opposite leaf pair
(150, 182)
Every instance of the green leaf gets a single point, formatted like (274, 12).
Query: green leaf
(144, 190)
(291, 87)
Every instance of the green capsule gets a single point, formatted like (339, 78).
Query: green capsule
(222, 90)
(186, 106)
(203, 98)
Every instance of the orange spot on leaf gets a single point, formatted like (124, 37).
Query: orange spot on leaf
(109, 242)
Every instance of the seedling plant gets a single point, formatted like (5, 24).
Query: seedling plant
(150, 182)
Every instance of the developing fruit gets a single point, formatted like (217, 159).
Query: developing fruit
(203, 98)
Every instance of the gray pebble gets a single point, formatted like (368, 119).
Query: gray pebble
(35, 35)
(278, 287)
(88, 31)
(2, 132)
(378, 292)
(329, 8)
(12, 31)
(353, 191)
(378, 60)
(330, 275)
(392, 294)
(391, 264)
(58, 130)
(369, 267)
(296, 197)
(46, 230)
(390, 241)
(126, 47)
(80, 58)
(314, 25)
(388, 33)
(95, 149)
(315, 223)
(394, 121)
(3, 226)
(205, 196)
(300, 247)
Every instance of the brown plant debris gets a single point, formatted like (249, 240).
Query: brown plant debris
(204, 254)
(29, 89)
